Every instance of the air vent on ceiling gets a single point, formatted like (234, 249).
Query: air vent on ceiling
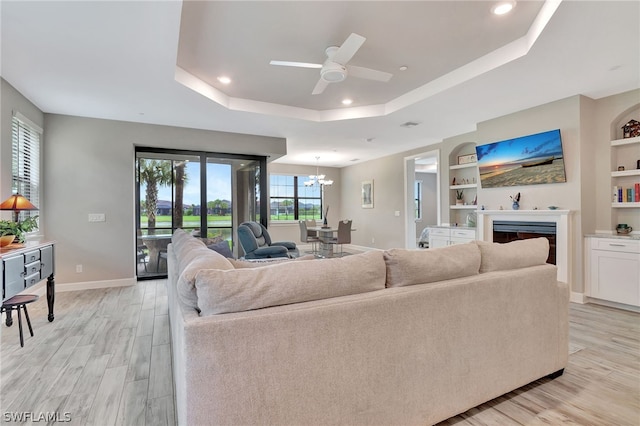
(409, 124)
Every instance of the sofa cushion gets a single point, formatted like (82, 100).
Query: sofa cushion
(201, 258)
(284, 283)
(259, 263)
(410, 267)
(513, 255)
(222, 247)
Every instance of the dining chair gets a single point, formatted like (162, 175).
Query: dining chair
(344, 235)
(141, 250)
(307, 236)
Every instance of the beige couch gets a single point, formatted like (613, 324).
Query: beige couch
(400, 337)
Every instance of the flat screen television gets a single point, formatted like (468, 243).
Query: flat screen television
(527, 160)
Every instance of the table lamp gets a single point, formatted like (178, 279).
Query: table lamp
(17, 203)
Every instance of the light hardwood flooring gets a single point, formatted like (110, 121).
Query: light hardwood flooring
(106, 359)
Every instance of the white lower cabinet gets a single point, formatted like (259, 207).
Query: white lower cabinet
(614, 270)
(446, 236)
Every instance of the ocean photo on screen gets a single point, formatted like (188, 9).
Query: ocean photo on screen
(527, 160)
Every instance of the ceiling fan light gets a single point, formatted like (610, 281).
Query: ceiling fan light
(333, 72)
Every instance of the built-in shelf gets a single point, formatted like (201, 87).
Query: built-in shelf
(462, 206)
(462, 166)
(626, 173)
(464, 186)
(626, 141)
(625, 205)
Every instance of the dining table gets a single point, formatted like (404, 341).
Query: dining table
(155, 243)
(325, 234)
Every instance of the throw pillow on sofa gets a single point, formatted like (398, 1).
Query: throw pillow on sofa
(284, 283)
(410, 267)
(222, 247)
(202, 258)
(513, 255)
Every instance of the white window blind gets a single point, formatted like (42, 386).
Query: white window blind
(25, 165)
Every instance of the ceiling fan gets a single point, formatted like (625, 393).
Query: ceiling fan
(335, 68)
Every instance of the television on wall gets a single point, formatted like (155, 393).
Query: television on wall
(526, 160)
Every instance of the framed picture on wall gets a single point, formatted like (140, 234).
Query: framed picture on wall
(466, 159)
(367, 194)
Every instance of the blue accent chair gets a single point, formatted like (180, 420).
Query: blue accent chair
(256, 243)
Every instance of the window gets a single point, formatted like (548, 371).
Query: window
(25, 161)
(290, 199)
(418, 199)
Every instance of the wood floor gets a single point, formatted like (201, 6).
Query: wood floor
(106, 360)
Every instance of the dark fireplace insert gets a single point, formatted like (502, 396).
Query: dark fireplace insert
(506, 231)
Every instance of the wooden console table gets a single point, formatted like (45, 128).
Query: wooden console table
(25, 265)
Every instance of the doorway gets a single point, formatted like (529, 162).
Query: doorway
(206, 194)
(422, 194)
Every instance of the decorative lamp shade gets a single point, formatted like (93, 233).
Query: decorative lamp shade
(17, 202)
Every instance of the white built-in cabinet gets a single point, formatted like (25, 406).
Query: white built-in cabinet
(443, 236)
(613, 270)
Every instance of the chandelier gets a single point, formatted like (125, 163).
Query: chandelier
(318, 179)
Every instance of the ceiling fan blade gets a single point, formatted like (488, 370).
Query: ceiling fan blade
(348, 49)
(320, 86)
(296, 64)
(368, 73)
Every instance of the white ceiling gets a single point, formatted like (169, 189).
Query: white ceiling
(121, 60)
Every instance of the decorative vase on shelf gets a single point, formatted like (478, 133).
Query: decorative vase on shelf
(515, 205)
(324, 222)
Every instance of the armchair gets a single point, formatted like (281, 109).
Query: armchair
(256, 243)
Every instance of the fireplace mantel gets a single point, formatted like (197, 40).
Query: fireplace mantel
(559, 217)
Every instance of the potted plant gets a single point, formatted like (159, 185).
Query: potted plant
(18, 229)
(459, 196)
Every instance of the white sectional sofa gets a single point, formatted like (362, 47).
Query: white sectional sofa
(386, 338)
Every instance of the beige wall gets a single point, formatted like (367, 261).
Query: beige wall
(586, 125)
(90, 169)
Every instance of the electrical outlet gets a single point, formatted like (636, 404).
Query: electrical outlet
(397, 213)
(373, 240)
(78, 269)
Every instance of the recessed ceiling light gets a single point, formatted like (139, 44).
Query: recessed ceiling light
(403, 68)
(224, 80)
(347, 101)
(503, 7)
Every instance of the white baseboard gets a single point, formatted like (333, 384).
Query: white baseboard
(613, 304)
(90, 285)
(578, 298)
(40, 289)
(360, 248)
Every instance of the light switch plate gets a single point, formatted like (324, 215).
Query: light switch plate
(97, 217)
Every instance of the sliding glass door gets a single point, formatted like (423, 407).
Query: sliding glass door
(207, 194)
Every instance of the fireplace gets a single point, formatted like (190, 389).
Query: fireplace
(505, 231)
(541, 221)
